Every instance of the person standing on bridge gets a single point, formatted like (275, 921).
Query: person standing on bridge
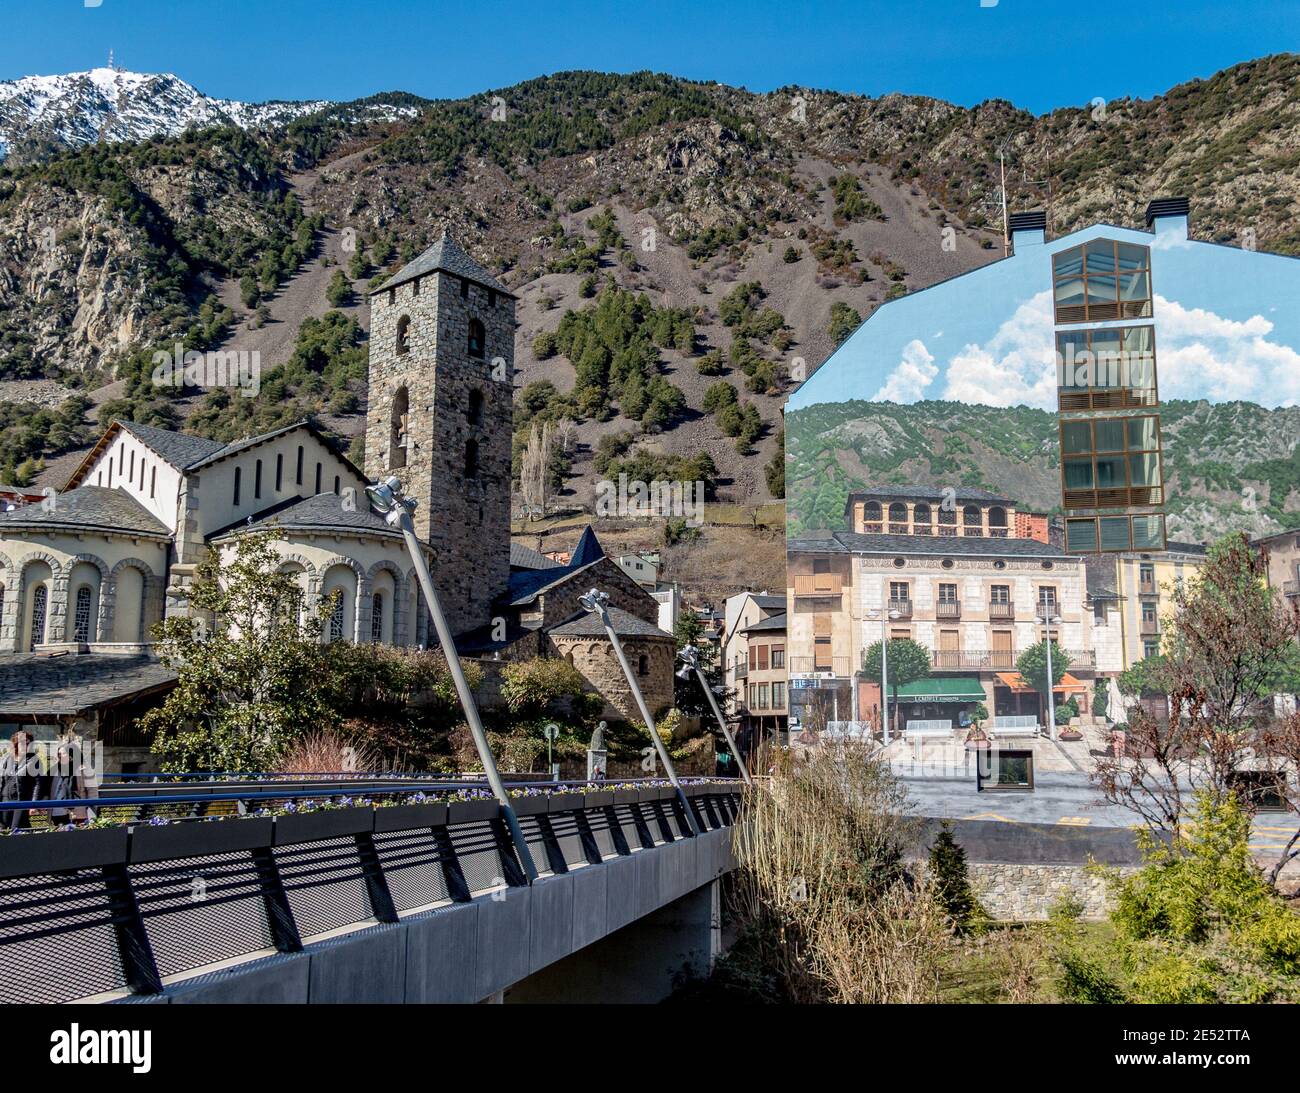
(20, 771)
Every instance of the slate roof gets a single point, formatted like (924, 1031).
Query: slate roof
(767, 602)
(324, 512)
(179, 449)
(1099, 576)
(447, 256)
(527, 584)
(522, 557)
(772, 622)
(587, 551)
(100, 508)
(587, 625)
(847, 542)
(926, 493)
(37, 685)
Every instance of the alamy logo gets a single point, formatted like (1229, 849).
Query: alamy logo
(105, 1047)
(660, 499)
(240, 368)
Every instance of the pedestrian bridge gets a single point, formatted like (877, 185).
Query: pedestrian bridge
(377, 895)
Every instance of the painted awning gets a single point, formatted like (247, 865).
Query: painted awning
(942, 690)
(1069, 685)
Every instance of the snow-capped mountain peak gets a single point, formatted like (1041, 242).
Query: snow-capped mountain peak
(42, 112)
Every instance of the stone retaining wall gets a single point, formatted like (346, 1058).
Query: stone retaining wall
(1017, 892)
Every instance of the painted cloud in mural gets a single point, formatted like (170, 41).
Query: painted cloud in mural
(1200, 354)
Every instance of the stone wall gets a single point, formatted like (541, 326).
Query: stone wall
(1016, 892)
(561, 603)
(594, 658)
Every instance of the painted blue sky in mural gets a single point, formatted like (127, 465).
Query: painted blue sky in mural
(1227, 328)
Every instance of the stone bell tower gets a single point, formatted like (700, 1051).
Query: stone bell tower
(442, 333)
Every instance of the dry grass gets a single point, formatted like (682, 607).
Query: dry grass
(326, 752)
(827, 911)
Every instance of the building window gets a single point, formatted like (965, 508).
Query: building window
(1111, 462)
(1102, 280)
(1000, 594)
(778, 656)
(471, 459)
(492, 298)
(643, 665)
(921, 519)
(822, 654)
(464, 289)
(257, 480)
(377, 617)
(40, 597)
(392, 297)
(415, 287)
(297, 474)
(1150, 649)
(762, 697)
(476, 339)
(778, 696)
(762, 658)
(475, 412)
(871, 516)
(1111, 369)
(131, 473)
(403, 335)
(153, 481)
(947, 593)
(81, 617)
(236, 492)
(899, 593)
(399, 423)
(1147, 575)
(318, 474)
(336, 618)
(279, 471)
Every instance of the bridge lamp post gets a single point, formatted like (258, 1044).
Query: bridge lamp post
(690, 658)
(884, 669)
(387, 499)
(596, 602)
(1049, 620)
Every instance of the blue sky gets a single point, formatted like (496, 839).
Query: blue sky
(1040, 54)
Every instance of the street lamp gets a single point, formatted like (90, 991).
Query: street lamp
(387, 499)
(1048, 620)
(884, 669)
(596, 602)
(690, 658)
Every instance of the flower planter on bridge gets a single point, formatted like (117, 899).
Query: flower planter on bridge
(53, 851)
(468, 812)
(626, 796)
(191, 839)
(330, 823)
(533, 804)
(409, 817)
(598, 799)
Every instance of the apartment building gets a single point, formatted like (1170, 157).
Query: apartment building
(940, 568)
(754, 652)
(1282, 557)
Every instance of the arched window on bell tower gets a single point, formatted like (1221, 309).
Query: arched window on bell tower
(474, 413)
(477, 339)
(398, 430)
(403, 335)
(471, 459)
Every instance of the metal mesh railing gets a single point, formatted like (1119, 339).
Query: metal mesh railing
(87, 930)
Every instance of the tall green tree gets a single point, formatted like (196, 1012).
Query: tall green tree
(1032, 666)
(907, 661)
(248, 661)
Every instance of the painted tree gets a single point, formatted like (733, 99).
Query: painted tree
(907, 661)
(248, 661)
(1032, 666)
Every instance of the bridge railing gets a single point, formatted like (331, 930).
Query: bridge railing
(105, 911)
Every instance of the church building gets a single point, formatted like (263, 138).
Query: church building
(86, 574)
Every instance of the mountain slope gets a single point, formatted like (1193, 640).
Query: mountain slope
(678, 190)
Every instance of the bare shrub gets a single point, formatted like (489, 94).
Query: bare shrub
(827, 910)
(327, 752)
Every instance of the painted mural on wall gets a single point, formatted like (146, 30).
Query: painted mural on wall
(957, 385)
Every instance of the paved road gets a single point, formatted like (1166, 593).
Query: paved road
(1060, 799)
